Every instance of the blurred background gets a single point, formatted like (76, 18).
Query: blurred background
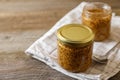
(20, 14)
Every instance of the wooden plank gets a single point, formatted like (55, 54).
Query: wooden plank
(31, 20)
(18, 40)
(26, 15)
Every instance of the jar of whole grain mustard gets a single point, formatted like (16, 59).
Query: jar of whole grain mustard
(75, 42)
(97, 16)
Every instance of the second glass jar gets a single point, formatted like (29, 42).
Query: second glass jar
(97, 16)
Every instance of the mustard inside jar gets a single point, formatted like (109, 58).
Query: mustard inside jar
(75, 45)
(97, 15)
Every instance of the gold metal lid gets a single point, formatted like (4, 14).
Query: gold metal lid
(76, 34)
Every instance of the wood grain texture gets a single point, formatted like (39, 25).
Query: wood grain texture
(38, 14)
(21, 23)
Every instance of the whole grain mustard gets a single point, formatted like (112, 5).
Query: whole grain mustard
(97, 16)
(75, 42)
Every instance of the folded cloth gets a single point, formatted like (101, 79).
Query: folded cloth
(45, 49)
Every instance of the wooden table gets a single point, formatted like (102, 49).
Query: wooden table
(21, 23)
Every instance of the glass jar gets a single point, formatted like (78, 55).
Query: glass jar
(97, 16)
(75, 42)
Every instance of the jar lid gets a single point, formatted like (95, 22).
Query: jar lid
(75, 34)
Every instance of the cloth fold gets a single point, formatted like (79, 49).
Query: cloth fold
(45, 49)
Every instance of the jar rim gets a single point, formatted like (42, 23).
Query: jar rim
(92, 7)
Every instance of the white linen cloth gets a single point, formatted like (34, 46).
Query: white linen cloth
(45, 49)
